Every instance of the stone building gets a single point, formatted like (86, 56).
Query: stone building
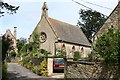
(112, 21)
(56, 35)
(12, 37)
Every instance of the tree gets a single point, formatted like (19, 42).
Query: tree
(108, 48)
(32, 52)
(20, 43)
(32, 47)
(5, 6)
(6, 41)
(90, 21)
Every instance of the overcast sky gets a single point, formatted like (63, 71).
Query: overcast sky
(29, 13)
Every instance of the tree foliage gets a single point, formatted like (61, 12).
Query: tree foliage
(6, 41)
(33, 47)
(20, 43)
(60, 53)
(108, 48)
(90, 21)
(43, 67)
(5, 6)
(31, 51)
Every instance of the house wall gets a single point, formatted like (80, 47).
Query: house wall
(68, 47)
(43, 26)
(8, 33)
(112, 21)
(50, 44)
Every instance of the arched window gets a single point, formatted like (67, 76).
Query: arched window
(61, 51)
(82, 50)
(63, 47)
(111, 26)
(73, 48)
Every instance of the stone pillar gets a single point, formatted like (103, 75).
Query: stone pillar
(65, 68)
(50, 66)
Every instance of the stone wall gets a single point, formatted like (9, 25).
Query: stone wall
(88, 70)
(82, 70)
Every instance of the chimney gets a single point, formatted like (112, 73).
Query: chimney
(15, 32)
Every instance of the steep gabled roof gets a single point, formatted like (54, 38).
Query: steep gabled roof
(68, 33)
(8, 32)
(113, 20)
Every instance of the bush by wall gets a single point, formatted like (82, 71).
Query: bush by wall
(4, 71)
(76, 55)
(36, 65)
(13, 53)
(43, 67)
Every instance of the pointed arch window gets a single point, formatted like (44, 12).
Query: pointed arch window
(73, 48)
(82, 50)
(63, 47)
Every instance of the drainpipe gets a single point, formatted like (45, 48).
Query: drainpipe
(65, 68)
(55, 47)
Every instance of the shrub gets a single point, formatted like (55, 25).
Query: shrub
(39, 68)
(36, 69)
(61, 53)
(13, 53)
(76, 55)
(4, 71)
(90, 56)
(17, 54)
(43, 67)
(20, 62)
(43, 51)
(107, 48)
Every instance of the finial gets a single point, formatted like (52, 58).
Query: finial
(44, 10)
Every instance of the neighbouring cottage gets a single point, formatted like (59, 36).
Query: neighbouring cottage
(56, 35)
(113, 21)
(12, 37)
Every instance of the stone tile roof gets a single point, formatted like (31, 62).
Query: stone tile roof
(8, 32)
(68, 33)
(113, 20)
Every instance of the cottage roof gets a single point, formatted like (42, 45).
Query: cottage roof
(8, 32)
(68, 33)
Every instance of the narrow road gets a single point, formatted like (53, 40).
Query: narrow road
(17, 72)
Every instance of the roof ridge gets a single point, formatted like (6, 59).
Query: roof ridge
(68, 32)
(62, 21)
(107, 19)
(8, 30)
